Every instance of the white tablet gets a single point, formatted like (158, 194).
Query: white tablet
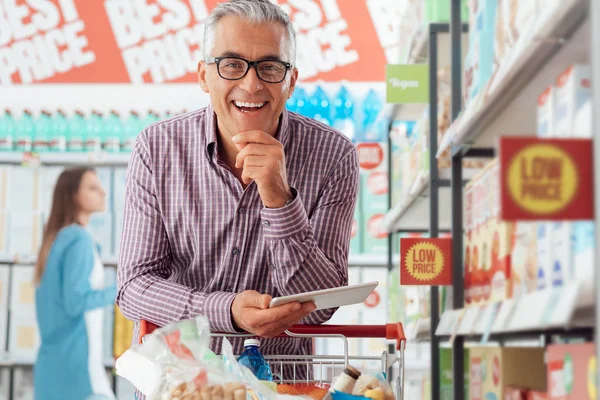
(330, 298)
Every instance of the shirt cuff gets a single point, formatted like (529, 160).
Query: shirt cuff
(217, 308)
(281, 223)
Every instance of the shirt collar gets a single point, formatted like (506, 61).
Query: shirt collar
(210, 126)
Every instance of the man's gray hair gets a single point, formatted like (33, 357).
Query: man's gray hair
(253, 11)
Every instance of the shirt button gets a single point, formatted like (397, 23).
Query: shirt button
(272, 266)
(266, 223)
(241, 210)
(235, 251)
(229, 288)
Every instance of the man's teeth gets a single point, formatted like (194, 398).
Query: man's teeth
(249, 105)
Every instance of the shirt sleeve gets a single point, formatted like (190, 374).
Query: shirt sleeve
(78, 294)
(144, 291)
(312, 253)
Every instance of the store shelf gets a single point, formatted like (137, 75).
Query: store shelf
(564, 308)
(413, 212)
(527, 60)
(419, 330)
(108, 262)
(99, 159)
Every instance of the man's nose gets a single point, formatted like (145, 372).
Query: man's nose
(251, 83)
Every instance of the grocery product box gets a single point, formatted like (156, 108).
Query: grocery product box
(123, 333)
(517, 18)
(524, 259)
(106, 178)
(468, 243)
(25, 237)
(501, 235)
(356, 235)
(480, 248)
(563, 267)
(23, 384)
(544, 255)
(374, 237)
(110, 278)
(571, 369)
(4, 286)
(492, 369)
(4, 185)
(23, 338)
(5, 382)
(3, 330)
(374, 192)
(119, 186)
(22, 290)
(485, 31)
(447, 376)
(4, 250)
(573, 90)
(48, 178)
(23, 189)
(584, 249)
(101, 229)
(546, 113)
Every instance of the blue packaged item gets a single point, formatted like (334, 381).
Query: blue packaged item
(42, 132)
(95, 125)
(343, 118)
(58, 132)
(76, 132)
(7, 131)
(112, 132)
(24, 130)
(320, 107)
(130, 131)
(252, 359)
(370, 131)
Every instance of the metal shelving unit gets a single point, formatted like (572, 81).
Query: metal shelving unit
(431, 184)
(570, 311)
(66, 159)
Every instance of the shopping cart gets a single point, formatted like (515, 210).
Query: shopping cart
(342, 332)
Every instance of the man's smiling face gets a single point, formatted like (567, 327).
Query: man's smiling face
(248, 103)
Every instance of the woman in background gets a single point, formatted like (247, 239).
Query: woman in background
(70, 295)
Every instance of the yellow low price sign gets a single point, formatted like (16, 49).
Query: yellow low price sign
(546, 179)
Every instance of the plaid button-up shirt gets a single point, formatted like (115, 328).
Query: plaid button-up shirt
(193, 237)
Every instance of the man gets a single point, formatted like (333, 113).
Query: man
(241, 201)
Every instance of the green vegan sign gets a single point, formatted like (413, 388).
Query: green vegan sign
(407, 83)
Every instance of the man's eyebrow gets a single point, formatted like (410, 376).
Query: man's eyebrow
(268, 57)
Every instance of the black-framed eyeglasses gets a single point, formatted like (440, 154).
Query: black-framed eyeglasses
(234, 68)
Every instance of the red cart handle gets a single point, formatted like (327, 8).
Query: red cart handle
(389, 331)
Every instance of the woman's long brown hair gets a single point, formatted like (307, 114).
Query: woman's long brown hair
(63, 213)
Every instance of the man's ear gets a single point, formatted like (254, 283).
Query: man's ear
(293, 82)
(202, 76)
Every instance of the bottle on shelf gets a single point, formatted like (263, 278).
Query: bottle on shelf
(343, 119)
(131, 128)
(77, 126)
(41, 142)
(113, 132)
(319, 104)
(300, 103)
(93, 141)
(152, 117)
(254, 360)
(7, 131)
(371, 131)
(59, 129)
(24, 131)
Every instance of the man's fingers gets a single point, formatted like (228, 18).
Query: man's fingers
(263, 301)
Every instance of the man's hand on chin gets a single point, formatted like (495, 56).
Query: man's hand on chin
(262, 160)
(250, 312)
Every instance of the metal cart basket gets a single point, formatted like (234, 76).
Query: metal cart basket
(325, 362)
